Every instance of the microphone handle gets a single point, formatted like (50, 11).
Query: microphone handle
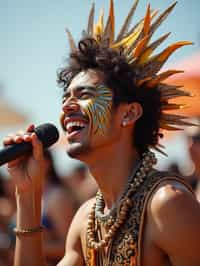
(11, 152)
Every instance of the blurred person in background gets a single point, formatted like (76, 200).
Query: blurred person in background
(7, 211)
(194, 151)
(81, 182)
(59, 205)
(114, 107)
(174, 168)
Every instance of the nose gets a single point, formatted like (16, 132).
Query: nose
(70, 106)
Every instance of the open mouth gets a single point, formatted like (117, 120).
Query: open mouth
(73, 127)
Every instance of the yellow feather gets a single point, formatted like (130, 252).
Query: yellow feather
(127, 41)
(149, 50)
(145, 56)
(131, 46)
(99, 27)
(135, 32)
(141, 45)
(127, 22)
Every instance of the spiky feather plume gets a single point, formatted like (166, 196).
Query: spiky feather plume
(135, 44)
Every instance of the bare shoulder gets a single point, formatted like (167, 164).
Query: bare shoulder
(86, 207)
(73, 251)
(172, 196)
(174, 216)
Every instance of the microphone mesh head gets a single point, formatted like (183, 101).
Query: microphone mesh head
(47, 133)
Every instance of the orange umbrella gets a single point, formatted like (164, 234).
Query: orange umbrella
(190, 80)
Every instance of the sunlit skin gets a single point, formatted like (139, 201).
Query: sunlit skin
(167, 240)
(96, 103)
(93, 145)
(88, 101)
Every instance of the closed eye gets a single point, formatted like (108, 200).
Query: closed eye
(86, 95)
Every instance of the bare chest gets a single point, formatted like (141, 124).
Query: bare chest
(152, 255)
(133, 243)
(120, 251)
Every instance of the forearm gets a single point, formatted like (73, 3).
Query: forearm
(28, 250)
(29, 246)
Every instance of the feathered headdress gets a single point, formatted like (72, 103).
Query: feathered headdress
(135, 44)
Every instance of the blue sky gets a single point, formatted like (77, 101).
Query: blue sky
(34, 45)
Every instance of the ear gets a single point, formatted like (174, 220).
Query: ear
(132, 113)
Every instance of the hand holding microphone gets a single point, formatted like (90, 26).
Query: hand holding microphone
(24, 154)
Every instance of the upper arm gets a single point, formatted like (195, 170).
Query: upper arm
(175, 215)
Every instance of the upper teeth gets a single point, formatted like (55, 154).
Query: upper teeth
(74, 123)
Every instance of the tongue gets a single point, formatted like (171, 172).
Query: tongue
(76, 128)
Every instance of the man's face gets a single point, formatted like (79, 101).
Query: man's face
(87, 112)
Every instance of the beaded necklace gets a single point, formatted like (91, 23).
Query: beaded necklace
(117, 216)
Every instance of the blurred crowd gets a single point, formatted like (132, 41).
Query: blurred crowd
(62, 196)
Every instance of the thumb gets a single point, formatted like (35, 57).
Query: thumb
(37, 147)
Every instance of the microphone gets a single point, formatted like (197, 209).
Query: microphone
(47, 134)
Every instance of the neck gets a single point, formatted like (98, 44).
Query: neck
(111, 169)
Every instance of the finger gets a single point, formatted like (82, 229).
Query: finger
(15, 162)
(37, 147)
(30, 128)
(14, 138)
(8, 141)
(18, 139)
(23, 136)
(27, 137)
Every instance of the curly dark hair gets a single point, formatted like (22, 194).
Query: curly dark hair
(121, 78)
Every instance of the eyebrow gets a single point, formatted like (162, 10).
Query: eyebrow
(80, 88)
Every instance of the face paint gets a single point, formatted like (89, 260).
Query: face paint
(98, 109)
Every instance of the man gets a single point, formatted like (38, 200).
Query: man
(113, 109)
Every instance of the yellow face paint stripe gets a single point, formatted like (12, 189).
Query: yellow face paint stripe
(98, 109)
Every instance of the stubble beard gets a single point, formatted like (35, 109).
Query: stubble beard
(78, 150)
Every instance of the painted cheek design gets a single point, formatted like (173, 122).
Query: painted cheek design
(98, 109)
